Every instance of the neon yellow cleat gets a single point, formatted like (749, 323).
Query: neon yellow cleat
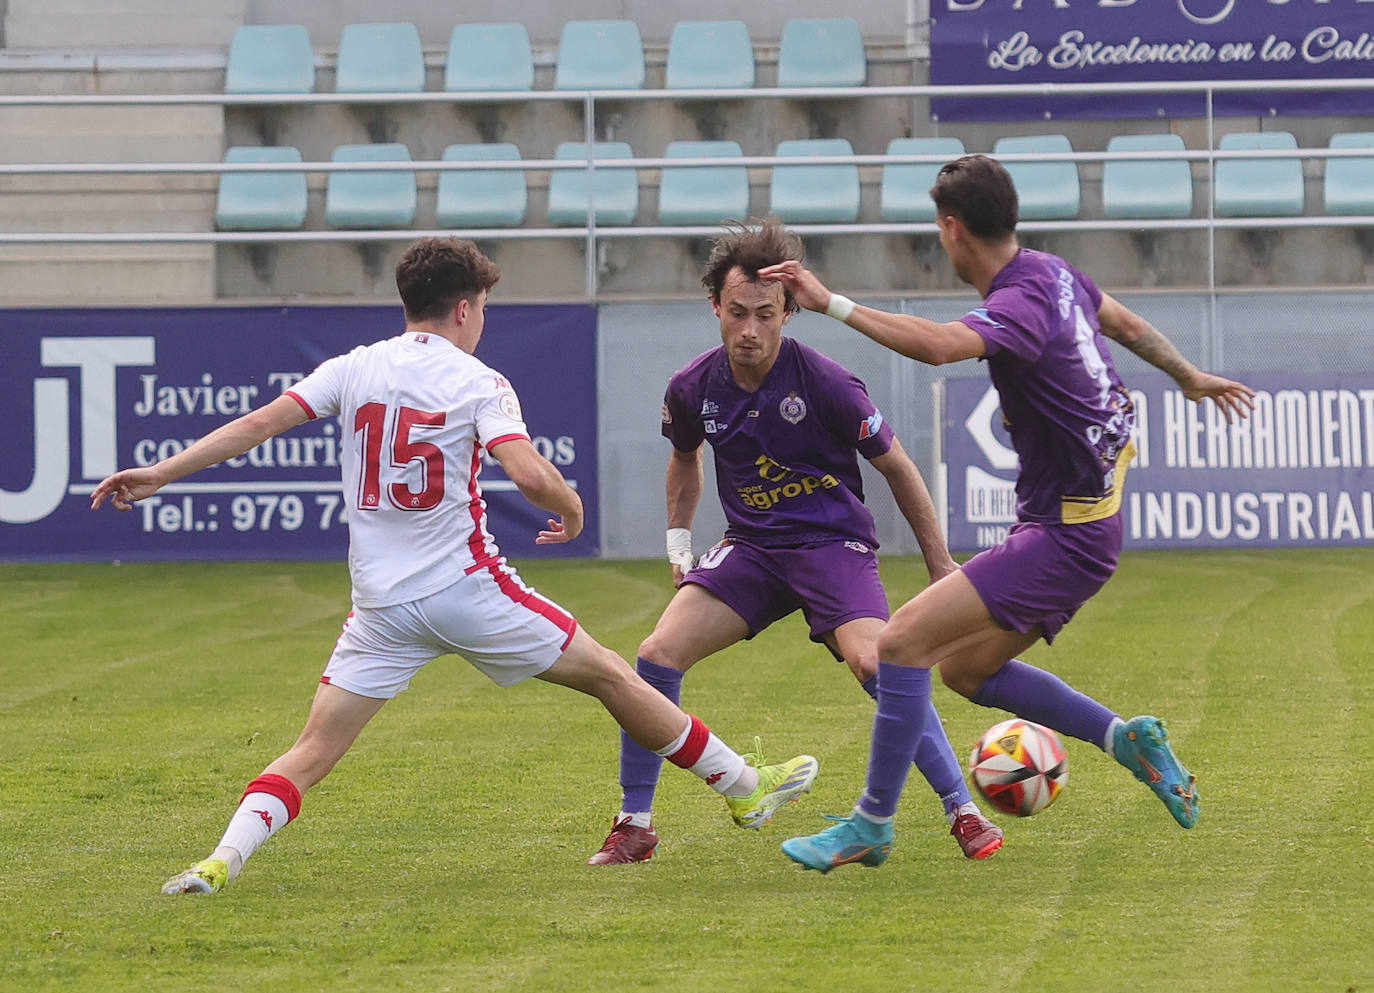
(206, 876)
(778, 784)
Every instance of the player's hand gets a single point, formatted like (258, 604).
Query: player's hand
(556, 533)
(125, 488)
(801, 282)
(939, 570)
(1235, 399)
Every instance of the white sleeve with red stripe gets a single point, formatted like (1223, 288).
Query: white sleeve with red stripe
(320, 394)
(497, 412)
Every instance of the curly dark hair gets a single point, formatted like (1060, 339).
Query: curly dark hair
(435, 273)
(751, 245)
(979, 191)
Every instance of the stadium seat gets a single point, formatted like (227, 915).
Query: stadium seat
(600, 55)
(706, 55)
(1048, 191)
(1146, 189)
(485, 199)
(822, 51)
(1259, 187)
(261, 201)
(704, 194)
(905, 192)
(487, 57)
(380, 58)
(1350, 182)
(815, 193)
(270, 58)
(370, 199)
(616, 191)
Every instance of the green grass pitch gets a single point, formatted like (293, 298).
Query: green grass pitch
(446, 852)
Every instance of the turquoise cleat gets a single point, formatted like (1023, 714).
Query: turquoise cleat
(1142, 745)
(853, 839)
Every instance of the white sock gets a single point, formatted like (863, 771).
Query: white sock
(700, 752)
(259, 816)
(639, 818)
(1109, 739)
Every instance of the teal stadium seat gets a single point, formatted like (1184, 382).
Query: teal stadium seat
(261, 201)
(270, 58)
(805, 194)
(705, 55)
(904, 197)
(600, 55)
(705, 194)
(616, 193)
(1048, 191)
(380, 58)
(1259, 187)
(1350, 182)
(489, 57)
(370, 199)
(485, 199)
(1146, 189)
(822, 51)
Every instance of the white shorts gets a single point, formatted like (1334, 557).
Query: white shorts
(489, 617)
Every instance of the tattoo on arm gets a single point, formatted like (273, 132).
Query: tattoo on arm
(1161, 353)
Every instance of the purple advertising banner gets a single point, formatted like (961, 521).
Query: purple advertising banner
(86, 392)
(1298, 472)
(1127, 41)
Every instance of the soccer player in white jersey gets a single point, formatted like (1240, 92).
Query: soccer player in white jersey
(428, 580)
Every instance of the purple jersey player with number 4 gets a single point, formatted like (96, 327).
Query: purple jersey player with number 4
(787, 426)
(1040, 329)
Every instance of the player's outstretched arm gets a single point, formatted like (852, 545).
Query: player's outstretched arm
(913, 500)
(915, 337)
(543, 485)
(1122, 324)
(127, 486)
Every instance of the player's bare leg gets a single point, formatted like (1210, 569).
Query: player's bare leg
(272, 800)
(751, 793)
(695, 624)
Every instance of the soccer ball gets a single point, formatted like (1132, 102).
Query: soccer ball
(1019, 767)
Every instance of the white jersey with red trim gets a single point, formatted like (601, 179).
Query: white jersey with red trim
(415, 412)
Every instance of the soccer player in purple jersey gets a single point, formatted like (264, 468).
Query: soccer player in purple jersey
(786, 425)
(1040, 329)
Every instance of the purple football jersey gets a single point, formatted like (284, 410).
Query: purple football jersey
(1069, 416)
(786, 456)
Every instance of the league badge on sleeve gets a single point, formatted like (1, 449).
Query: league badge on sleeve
(871, 425)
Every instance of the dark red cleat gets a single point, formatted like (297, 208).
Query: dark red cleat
(977, 835)
(627, 843)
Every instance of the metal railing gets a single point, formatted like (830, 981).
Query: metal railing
(593, 235)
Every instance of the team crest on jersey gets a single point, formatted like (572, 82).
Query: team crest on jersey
(792, 408)
(871, 425)
(510, 405)
(709, 408)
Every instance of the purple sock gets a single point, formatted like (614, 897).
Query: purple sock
(1044, 698)
(639, 767)
(935, 757)
(903, 706)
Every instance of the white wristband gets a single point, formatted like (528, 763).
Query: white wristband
(680, 547)
(839, 307)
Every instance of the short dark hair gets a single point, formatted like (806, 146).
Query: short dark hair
(435, 273)
(978, 190)
(751, 245)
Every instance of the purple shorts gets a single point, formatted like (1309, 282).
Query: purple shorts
(832, 582)
(1043, 573)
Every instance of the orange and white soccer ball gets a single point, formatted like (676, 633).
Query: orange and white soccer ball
(1019, 767)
